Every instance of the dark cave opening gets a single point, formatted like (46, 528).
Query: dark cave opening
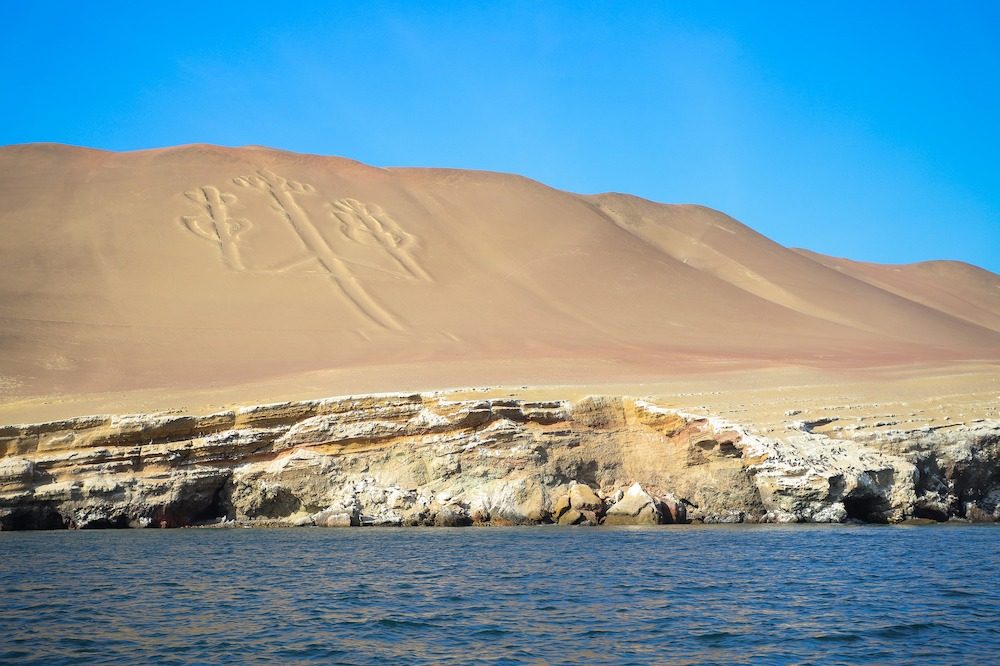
(218, 509)
(111, 523)
(32, 518)
(866, 509)
(932, 513)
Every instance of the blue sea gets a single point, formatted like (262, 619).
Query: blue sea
(542, 595)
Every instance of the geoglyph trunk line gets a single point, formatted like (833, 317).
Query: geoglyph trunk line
(282, 192)
(215, 225)
(338, 270)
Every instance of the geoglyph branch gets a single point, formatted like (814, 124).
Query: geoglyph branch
(215, 224)
(369, 225)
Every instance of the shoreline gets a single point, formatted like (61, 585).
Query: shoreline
(449, 460)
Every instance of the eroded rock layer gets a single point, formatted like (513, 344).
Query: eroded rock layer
(425, 459)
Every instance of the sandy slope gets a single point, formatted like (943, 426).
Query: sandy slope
(201, 268)
(959, 289)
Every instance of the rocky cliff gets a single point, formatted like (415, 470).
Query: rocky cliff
(425, 459)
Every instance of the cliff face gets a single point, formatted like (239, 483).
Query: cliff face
(423, 459)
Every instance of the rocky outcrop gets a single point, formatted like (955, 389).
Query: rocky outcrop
(423, 459)
(950, 472)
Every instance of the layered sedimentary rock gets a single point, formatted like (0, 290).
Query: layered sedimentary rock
(425, 459)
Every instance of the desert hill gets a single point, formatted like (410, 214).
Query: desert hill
(956, 288)
(203, 266)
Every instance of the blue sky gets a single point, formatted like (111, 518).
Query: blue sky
(862, 129)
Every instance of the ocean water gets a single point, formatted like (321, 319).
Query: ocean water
(672, 594)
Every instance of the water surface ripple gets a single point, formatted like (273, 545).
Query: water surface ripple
(673, 594)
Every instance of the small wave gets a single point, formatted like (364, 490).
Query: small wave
(837, 638)
(489, 633)
(896, 630)
(12, 656)
(393, 622)
(591, 633)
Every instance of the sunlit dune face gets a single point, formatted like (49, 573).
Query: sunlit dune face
(204, 267)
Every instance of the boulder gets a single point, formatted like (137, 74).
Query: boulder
(535, 507)
(562, 505)
(519, 501)
(571, 517)
(451, 515)
(583, 498)
(338, 519)
(338, 515)
(636, 507)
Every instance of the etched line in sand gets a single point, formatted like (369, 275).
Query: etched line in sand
(215, 225)
(385, 246)
(282, 192)
(369, 225)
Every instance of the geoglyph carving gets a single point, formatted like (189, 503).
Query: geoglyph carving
(379, 242)
(368, 224)
(215, 225)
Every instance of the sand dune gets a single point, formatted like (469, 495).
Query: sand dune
(958, 289)
(202, 266)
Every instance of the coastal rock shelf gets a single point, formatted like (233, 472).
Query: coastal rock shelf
(425, 459)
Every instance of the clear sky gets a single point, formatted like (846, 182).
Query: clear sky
(862, 129)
